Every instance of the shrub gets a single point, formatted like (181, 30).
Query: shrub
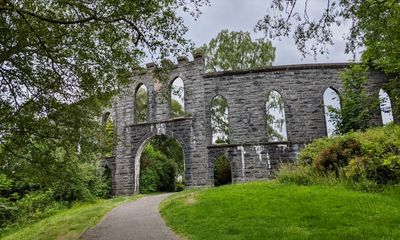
(373, 155)
(308, 154)
(157, 172)
(180, 186)
(167, 176)
(33, 204)
(25, 197)
(337, 155)
(6, 207)
(148, 181)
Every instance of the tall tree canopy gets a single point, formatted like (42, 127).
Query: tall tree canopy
(54, 53)
(60, 62)
(370, 20)
(236, 50)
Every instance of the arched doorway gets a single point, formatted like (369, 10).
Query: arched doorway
(107, 175)
(159, 165)
(222, 171)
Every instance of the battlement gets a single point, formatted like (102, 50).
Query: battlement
(180, 62)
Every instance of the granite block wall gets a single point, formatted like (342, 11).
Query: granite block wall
(251, 155)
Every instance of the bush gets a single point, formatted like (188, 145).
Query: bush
(24, 197)
(6, 207)
(180, 186)
(167, 176)
(148, 181)
(157, 172)
(373, 155)
(337, 155)
(30, 207)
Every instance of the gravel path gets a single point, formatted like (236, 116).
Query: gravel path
(137, 220)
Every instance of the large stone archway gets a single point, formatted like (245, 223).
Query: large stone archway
(161, 131)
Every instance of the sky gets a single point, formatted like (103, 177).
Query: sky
(242, 15)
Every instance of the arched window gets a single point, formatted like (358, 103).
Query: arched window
(177, 104)
(219, 120)
(331, 106)
(105, 118)
(141, 102)
(109, 144)
(275, 117)
(386, 107)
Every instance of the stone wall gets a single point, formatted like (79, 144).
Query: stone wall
(251, 155)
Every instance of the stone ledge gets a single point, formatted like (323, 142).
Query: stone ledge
(279, 68)
(166, 121)
(252, 144)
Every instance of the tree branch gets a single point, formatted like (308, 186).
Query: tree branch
(5, 55)
(43, 46)
(47, 19)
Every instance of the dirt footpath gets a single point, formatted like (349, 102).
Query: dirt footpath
(137, 220)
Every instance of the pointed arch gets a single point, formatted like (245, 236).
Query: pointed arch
(145, 141)
(386, 107)
(141, 104)
(177, 98)
(275, 117)
(106, 117)
(332, 104)
(108, 125)
(219, 120)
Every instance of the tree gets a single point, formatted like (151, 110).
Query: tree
(358, 108)
(381, 37)
(60, 63)
(236, 50)
(54, 53)
(367, 18)
(232, 51)
(176, 109)
(374, 25)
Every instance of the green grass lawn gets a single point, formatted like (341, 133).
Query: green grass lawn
(269, 210)
(68, 224)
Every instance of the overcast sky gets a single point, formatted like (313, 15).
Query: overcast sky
(236, 15)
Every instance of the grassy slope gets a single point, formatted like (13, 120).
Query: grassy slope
(68, 224)
(269, 210)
